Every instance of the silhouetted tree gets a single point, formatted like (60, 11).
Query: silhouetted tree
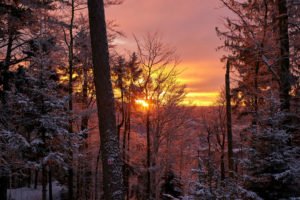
(111, 158)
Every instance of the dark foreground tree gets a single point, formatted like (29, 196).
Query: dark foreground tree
(112, 166)
(229, 121)
(171, 188)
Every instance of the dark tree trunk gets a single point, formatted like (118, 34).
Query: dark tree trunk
(125, 165)
(222, 167)
(70, 60)
(128, 149)
(221, 143)
(7, 62)
(84, 122)
(180, 163)
(229, 121)
(199, 166)
(209, 164)
(285, 85)
(78, 181)
(43, 135)
(36, 179)
(122, 114)
(111, 158)
(97, 174)
(70, 88)
(85, 166)
(222, 156)
(85, 118)
(50, 184)
(29, 178)
(255, 118)
(4, 179)
(87, 180)
(3, 187)
(44, 182)
(148, 187)
(70, 183)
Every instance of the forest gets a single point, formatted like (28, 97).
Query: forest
(83, 119)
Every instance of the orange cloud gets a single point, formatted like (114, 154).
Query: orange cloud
(188, 25)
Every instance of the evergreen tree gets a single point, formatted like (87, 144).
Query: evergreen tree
(259, 47)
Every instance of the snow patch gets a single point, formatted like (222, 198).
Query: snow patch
(26, 193)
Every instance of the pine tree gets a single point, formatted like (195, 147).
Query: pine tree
(259, 47)
(20, 21)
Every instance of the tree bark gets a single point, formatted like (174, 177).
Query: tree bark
(229, 121)
(128, 150)
(122, 114)
(29, 178)
(50, 184)
(256, 89)
(3, 187)
(97, 173)
(36, 178)
(70, 60)
(7, 61)
(4, 178)
(111, 158)
(70, 183)
(221, 143)
(70, 88)
(85, 117)
(285, 85)
(209, 163)
(125, 165)
(148, 191)
(44, 182)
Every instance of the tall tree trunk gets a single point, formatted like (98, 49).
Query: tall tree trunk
(70, 90)
(255, 118)
(44, 182)
(43, 133)
(7, 61)
(70, 182)
(222, 166)
(122, 114)
(78, 179)
(180, 162)
(97, 174)
(155, 187)
(128, 149)
(85, 117)
(85, 166)
(285, 85)
(148, 187)
(229, 121)
(125, 165)
(111, 158)
(70, 60)
(87, 180)
(50, 184)
(4, 178)
(209, 163)
(36, 178)
(29, 178)
(3, 187)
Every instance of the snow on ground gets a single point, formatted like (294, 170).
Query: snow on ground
(26, 193)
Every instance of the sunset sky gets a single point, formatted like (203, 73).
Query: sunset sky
(189, 26)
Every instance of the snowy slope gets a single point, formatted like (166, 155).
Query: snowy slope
(34, 194)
